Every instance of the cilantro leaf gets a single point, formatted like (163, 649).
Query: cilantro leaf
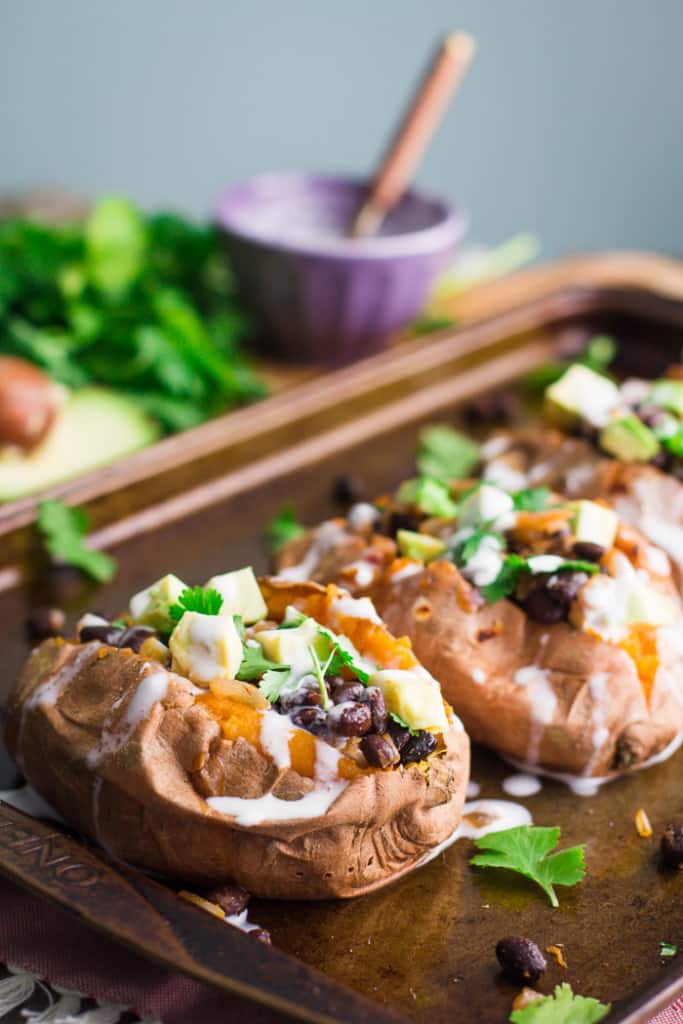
(282, 528)
(506, 580)
(431, 497)
(532, 499)
(255, 664)
(341, 656)
(63, 532)
(445, 454)
(273, 682)
(204, 600)
(526, 850)
(597, 356)
(320, 671)
(563, 1007)
(469, 548)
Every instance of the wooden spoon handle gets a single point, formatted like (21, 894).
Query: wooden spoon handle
(447, 70)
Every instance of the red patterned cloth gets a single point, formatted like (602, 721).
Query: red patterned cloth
(46, 940)
(49, 942)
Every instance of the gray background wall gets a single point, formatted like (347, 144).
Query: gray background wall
(568, 125)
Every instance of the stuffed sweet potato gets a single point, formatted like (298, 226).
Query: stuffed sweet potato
(276, 735)
(554, 627)
(620, 443)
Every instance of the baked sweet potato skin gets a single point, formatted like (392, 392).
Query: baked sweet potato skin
(547, 695)
(139, 792)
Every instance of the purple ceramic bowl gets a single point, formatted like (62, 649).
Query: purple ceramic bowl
(319, 296)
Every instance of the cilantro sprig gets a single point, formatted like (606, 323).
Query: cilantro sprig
(254, 664)
(283, 528)
(531, 499)
(341, 656)
(63, 531)
(445, 454)
(204, 600)
(429, 495)
(562, 1007)
(526, 850)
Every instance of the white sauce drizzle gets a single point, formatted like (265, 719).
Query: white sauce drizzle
(521, 785)
(504, 476)
(542, 704)
(478, 675)
(328, 536)
(412, 569)
(356, 608)
(361, 517)
(473, 790)
(274, 737)
(150, 690)
(364, 572)
(270, 808)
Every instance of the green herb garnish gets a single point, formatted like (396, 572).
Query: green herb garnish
(63, 531)
(445, 454)
(597, 356)
(431, 497)
(282, 528)
(254, 664)
(667, 949)
(526, 850)
(273, 682)
(563, 1007)
(143, 305)
(469, 548)
(532, 499)
(430, 322)
(320, 671)
(341, 657)
(505, 582)
(204, 600)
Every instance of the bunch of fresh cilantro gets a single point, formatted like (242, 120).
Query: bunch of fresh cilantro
(136, 303)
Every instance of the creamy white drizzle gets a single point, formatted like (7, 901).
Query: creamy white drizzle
(412, 569)
(150, 690)
(542, 704)
(473, 790)
(356, 608)
(274, 737)
(502, 475)
(600, 697)
(270, 808)
(521, 785)
(478, 675)
(362, 516)
(364, 572)
(327, 537)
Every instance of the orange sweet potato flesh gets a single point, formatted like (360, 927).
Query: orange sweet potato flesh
(144, 801)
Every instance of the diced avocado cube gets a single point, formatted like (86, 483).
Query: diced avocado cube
(151, 606)
(488, 504)
(580, 395)
(206, 647)
(648, 607)
(291, 646)
(594, 523)
(241, 595)
(668, 394)
(419, 545)
(430, 496)
(629, 439)
(413, 697)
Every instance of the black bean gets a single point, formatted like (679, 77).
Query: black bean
(586, 550)
(418, 747)
(399, 734)
(379, 751)
(549, 597)
(231, 898)
(496, 407)
(378, 709)
(312, 719)
(347, 490)
(44, 622)
(350, 719)
(396, 521)
(104, 632)
(350, 691)
(307, 694)
(671, 846)
(135, 636)
(521, 959)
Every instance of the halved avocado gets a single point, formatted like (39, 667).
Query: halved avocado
(95, 426)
